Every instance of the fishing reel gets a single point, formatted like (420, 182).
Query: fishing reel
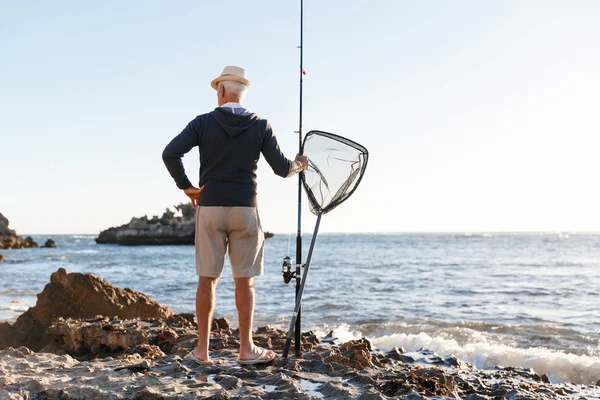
(286, 269)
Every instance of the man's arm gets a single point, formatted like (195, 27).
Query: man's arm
(173, 153)
(280, 164)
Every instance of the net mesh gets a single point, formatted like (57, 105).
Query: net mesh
(336, 167)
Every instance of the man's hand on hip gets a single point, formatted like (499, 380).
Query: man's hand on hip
(194, 194)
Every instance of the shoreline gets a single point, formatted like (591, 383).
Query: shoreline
(64, 348)
(155, 368)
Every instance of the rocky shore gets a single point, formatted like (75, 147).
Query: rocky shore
(86, 339)
(165, 230)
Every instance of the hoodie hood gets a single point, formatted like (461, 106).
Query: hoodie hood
(233, 124)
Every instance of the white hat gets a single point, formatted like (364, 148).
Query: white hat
(231, 73)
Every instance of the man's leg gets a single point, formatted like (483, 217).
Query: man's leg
(205, 304)
(244, 302)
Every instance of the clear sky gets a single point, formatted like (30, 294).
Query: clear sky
(478, 116)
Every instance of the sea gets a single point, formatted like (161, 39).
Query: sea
(492, 299)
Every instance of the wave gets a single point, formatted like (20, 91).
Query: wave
(484, 352)
(85, 251)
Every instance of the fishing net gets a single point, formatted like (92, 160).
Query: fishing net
(335, 167)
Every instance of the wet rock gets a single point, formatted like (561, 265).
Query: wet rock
(166, 230)
(9, 238)
(50, 244)
(429, 381)
(397, 354)
(138, 367)
(336, 390)
(317, 367)
(355, 354)
(78, 295)
(228, 382)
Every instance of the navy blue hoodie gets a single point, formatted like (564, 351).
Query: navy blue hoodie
(230, 146)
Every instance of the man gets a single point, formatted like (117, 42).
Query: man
(230, 140)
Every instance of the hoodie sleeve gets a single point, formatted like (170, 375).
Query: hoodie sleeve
(180, 145)
(280, 164)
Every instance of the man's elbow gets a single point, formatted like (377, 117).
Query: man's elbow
(167, 155)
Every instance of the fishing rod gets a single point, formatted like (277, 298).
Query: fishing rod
(297, 343)
(329, 154)
(287, 266)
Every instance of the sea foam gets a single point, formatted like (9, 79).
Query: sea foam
(486, 353)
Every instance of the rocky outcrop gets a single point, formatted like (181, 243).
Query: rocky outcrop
(82, 296)
(110, 358)
(141, 356)
(9, 238)
(166, 230)
(50, 243)
(155, 231)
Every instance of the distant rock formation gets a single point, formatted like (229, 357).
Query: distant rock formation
(166, 230)
(76, 295)
(9, 238)
(50, 243)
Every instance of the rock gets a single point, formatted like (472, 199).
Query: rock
(228, 381)
(20, 352)
(9, 238)
(431, 381)
(83, 296)
(4, 225)
(1, 257)
(50, 243)
(355, 354)
(166, 230)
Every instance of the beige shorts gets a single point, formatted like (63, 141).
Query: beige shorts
(238, 228)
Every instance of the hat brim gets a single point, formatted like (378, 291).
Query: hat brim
(234, 78)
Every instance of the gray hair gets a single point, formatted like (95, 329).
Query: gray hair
(233, 87)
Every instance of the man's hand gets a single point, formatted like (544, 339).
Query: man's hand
(194, 194)
(303, 160)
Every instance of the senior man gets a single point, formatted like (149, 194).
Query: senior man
(230, 140)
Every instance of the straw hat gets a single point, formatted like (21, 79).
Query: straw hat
(231, 73)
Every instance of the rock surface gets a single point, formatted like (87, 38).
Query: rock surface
(143, 358)
(166, 230)
(77, 295)
(50, 243)
(9, 238)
